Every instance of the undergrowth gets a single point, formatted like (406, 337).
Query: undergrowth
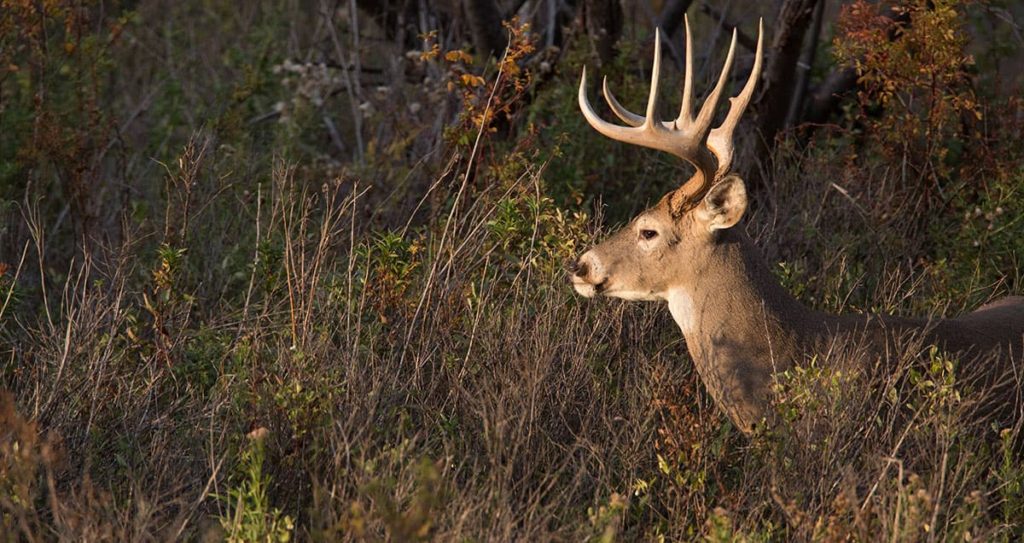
(247, 295)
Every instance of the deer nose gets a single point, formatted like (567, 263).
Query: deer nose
(578, 268)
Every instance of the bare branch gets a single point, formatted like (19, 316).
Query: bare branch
(742, 38)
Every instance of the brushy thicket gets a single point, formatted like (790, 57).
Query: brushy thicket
(248, 295)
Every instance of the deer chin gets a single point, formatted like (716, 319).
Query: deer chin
(584, 288)
(634, 296)
(604, 288)
(630, 295)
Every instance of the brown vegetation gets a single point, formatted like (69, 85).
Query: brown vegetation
(294, 270)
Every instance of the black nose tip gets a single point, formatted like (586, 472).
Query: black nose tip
(577, 268)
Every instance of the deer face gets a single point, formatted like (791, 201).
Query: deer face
(661, 251)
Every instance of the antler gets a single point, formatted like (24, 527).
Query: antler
(693, 140)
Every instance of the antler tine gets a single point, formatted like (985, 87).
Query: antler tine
(707, 111)
(720, 139)
(686, 109)
(605, 128)
(652, 99)
(644, 136)
(626, 115)
(633, 119)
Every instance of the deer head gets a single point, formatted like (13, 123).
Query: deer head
(661, 250)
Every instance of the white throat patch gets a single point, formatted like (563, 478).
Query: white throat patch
(680, 304)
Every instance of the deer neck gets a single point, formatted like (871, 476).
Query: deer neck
(741, 327)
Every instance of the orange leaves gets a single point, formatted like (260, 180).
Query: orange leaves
(520, 47)
(930, 45)
(861, 28)
(487, 92)
(458, 55)
(912, 61)
(472, 81)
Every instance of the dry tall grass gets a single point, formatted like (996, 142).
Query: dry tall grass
(267, 336)
(444, 385)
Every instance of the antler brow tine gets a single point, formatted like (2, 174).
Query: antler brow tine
(622, 113)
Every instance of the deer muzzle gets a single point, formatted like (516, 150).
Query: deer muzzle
(587, 275)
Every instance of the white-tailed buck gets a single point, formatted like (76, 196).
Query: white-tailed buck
(741, 327)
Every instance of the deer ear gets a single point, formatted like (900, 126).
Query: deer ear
(724, 204)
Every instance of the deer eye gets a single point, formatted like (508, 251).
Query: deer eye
(648, 234)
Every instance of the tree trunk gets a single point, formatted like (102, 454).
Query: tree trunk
(779, 79)
(796, 104)
(485, 24)
(826, 97)
(603, 19)
(671, 16)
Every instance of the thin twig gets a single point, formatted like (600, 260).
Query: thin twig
(14, 280)
(455, 205)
